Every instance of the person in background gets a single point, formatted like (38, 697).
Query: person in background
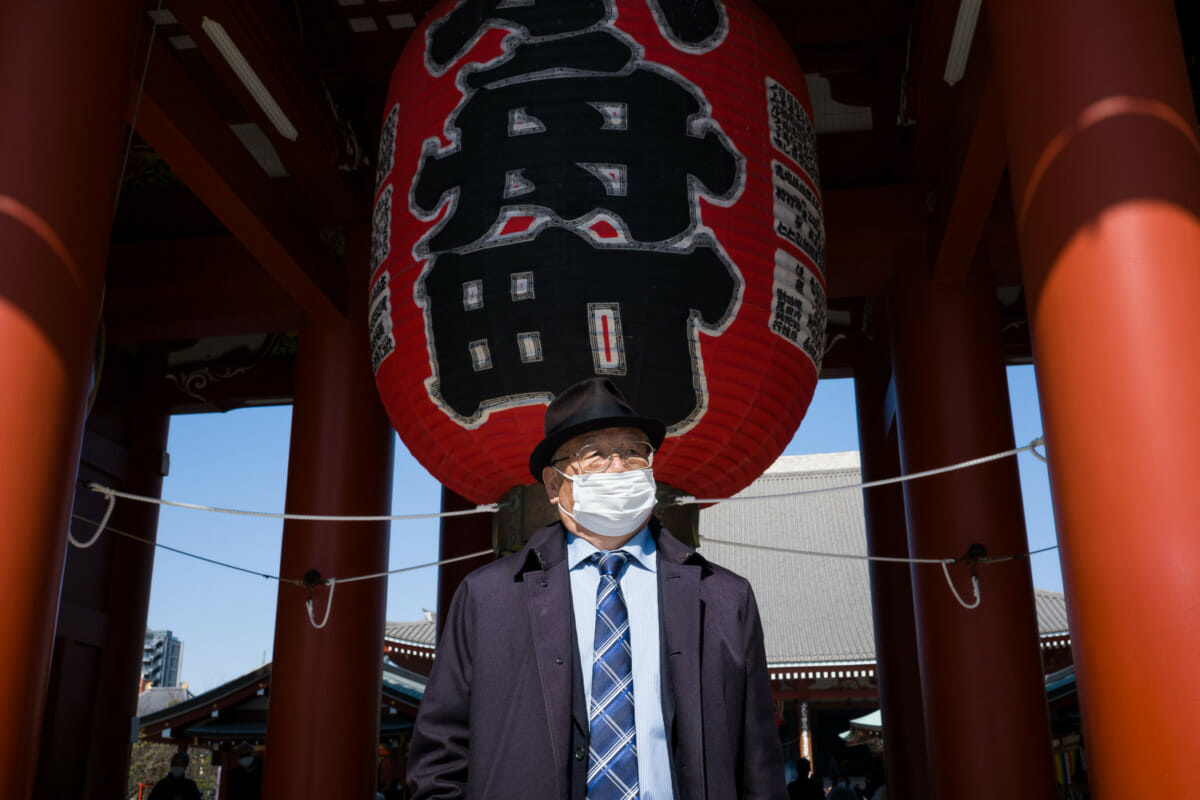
(245, 779)
(841, 789)
(876, 786)
(805, 787)
(174, 786)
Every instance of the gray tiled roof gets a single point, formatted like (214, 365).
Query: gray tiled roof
(814, 609)
(1051, 612)
(420, 632)
(156, 698)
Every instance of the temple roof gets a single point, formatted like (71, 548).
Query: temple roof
(422, 632)
(237, 709)
(815, 610)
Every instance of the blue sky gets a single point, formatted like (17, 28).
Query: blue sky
(239, 460)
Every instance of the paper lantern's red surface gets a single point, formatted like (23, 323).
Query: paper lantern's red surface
(614, 187)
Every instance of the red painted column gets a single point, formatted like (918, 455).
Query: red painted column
(986, 720)
(65, 71)
(323, 720)
(106, 588)
(1105, 169)
(459, 536)
(898, 671)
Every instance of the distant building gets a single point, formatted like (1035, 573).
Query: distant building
(162, 656)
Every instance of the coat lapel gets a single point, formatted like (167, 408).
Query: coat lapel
(548, 592)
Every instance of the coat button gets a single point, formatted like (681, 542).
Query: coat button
(544, 583)
(579, 753)
(558, 660)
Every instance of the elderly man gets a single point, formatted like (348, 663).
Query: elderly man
(606, 659)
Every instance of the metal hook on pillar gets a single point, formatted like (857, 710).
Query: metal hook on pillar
(311, 579)
(975, 554)
(112, 503)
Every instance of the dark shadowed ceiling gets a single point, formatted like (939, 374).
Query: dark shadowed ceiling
(226, 231)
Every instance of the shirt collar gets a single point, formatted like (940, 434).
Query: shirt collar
(641, 547)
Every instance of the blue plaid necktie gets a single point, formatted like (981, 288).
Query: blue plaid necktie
(612, 747)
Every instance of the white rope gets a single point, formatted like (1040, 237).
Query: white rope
(112, 503)
(819, 554)
(957, 596)
(491, 508)
(334, 581)
(486, 508)
(331, 583)
(688, 499)
(467, 557)
(269, 576)
(944, 562)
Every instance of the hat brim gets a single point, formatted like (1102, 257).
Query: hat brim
(540, 458)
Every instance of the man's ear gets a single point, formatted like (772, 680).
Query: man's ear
(552, 481)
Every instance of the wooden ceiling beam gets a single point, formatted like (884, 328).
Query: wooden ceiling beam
(278, 58)
(191, 288)
(959, 138)
(184, 129)
(968, 188)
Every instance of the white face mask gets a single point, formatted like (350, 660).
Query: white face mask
(611, 503)
(177, 771)
(246, 761)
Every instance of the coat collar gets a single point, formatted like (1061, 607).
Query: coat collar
(547, 546)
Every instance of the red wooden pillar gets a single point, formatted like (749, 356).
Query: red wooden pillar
(1105, 168)
(986, 721)
(326, 684)
(898, 671)
(459, 536)
(65, 71)
(106, 589)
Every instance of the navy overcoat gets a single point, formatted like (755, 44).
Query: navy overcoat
(504, 716)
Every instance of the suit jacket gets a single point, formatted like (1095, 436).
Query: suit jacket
(504, 715)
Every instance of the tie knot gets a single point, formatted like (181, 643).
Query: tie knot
(610, 562)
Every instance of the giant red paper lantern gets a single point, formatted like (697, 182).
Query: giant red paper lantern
(597, 187)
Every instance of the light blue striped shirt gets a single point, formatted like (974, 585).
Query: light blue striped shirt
(639, 586)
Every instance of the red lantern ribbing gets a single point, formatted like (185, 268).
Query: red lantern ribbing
(986, 721)
(1105, 167)
(597, 188)
(60, 156)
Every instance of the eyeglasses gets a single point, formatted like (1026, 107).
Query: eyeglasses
(598, 457)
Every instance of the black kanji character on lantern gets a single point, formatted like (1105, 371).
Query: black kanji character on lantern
(498, 337)
(629, 144)
(570, 247)
(692, 24)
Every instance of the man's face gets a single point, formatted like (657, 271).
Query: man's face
(559, 489)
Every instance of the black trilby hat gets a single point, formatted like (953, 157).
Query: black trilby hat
(589, 405)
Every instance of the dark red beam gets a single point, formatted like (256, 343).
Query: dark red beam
(278, 58)
(191, 288)
(188, 133)
(975, 167)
